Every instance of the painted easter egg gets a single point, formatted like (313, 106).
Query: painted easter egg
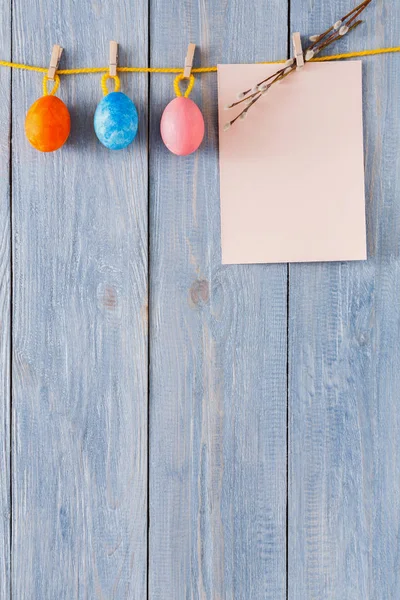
(182, 126)
(116, 121)
(47, 124)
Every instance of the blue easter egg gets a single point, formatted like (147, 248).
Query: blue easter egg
(116, 121)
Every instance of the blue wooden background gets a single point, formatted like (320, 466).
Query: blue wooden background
(172, 428)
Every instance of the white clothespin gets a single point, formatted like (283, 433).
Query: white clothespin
(113, 62)
(189, 61)
(298, 50)
(54, 62)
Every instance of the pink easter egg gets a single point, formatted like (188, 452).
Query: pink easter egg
(182, 126)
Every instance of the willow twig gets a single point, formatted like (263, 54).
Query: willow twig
(318, 43)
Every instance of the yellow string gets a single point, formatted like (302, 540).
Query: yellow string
(55, 86)
(189, 88)
(117, 83)
(4, 63)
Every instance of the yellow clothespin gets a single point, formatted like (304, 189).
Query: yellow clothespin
(54, 62)
(113, 62)
(189, 61)
(298, 50)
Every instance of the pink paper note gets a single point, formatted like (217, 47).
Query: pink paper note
(292, 173)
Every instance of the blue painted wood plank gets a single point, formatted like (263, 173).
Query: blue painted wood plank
(5, 291)
(217, 342)
(344, 501)
(80, 320)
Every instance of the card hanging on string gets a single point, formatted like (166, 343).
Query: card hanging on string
(292, 175)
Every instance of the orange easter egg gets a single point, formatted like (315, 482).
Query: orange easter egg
(47, 124)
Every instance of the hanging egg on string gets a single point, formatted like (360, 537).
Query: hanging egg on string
(182, 126)
(48, 122)
(116, 117)
(116, 121)
(182, 123)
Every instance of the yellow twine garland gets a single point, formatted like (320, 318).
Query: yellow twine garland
(4, 63)
(189, 88)
(55, 86)
(117, 83)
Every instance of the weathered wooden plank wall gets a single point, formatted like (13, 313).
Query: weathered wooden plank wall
(80, 320)
(5, 292)
(344, 486)
(77, 482)
(217, 342)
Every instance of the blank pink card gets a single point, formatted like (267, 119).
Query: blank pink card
(292, 173)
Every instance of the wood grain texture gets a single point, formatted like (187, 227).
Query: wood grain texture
(80, 320)
(218, 369)
(344, 484)
(5, 291)
(217, 342)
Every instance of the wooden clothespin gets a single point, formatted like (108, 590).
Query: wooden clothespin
(189, 61)
(54, 62)
(298, 50)
(113, 62)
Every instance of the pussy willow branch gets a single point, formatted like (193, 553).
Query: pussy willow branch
(318, 43)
